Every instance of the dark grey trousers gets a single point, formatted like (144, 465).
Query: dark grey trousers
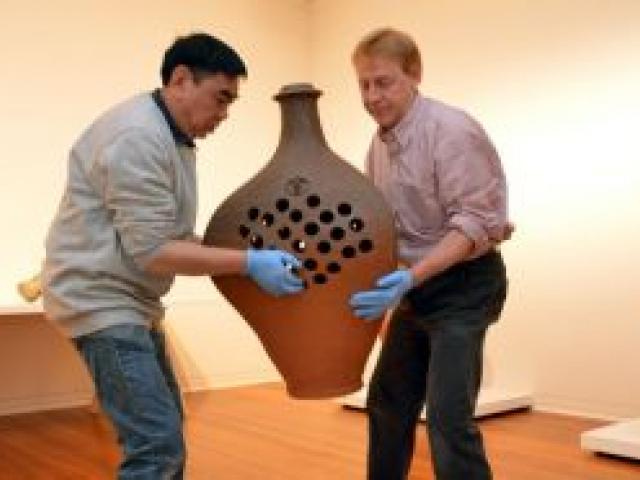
(433, 354)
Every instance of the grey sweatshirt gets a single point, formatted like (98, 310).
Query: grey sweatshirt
(130, 188)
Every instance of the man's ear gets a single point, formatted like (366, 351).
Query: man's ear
(180, 75)
(415, 73)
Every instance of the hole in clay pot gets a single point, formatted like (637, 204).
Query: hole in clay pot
(356, 224)
(324, 247)
(311, 228)
(326, 216)
(253, 213)
(284, 233)
(282, 205)
(337, 233)
(268, 219)
(344, 209)
(348, 252)
(295, 215)
(365, 245)
(310, 264)
(298, 245)
(333, 267)
(244, 231)
(313, 201)
(256, 241)
(320, 278)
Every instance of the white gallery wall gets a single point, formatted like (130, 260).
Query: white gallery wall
(555, 82)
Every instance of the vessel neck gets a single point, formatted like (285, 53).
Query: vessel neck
(300, 120)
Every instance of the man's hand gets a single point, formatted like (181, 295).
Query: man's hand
(389, 290)
(272, 271)
(509, 228)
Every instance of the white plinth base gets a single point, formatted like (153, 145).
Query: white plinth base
(490, 401)
(621, 439)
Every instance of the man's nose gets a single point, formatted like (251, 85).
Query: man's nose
(372, 94)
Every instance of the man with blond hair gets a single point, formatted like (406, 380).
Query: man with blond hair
(444, 182)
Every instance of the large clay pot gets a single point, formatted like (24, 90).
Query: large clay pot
(310, 202)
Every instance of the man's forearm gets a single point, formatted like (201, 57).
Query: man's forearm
(454, 247)
(186, 257)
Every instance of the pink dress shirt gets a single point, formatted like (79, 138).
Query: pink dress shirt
(439, 171)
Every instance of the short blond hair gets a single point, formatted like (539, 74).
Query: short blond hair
(393, 44)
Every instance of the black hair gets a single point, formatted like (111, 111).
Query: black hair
(202, 54)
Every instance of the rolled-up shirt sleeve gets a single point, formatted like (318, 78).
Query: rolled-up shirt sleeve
(471, 185)
(137, 185)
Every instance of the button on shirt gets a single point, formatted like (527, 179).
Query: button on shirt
(439, 171)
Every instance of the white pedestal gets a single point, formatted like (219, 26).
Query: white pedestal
(491, 401)
(622, 439)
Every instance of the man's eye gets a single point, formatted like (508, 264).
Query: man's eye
(222, 101)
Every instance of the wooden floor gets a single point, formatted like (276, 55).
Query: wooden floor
(258, 433)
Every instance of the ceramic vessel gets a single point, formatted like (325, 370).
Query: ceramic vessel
(310, 202)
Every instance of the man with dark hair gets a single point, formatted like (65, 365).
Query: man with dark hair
(124, 229)
(443, 179)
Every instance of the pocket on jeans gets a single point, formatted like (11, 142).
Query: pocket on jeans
(436, 294)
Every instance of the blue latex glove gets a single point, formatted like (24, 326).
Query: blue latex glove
(272, 271)
(389, 290)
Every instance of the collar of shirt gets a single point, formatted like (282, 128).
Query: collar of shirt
(179, 136)
(397, 138)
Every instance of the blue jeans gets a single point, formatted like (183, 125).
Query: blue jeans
(137, 390)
